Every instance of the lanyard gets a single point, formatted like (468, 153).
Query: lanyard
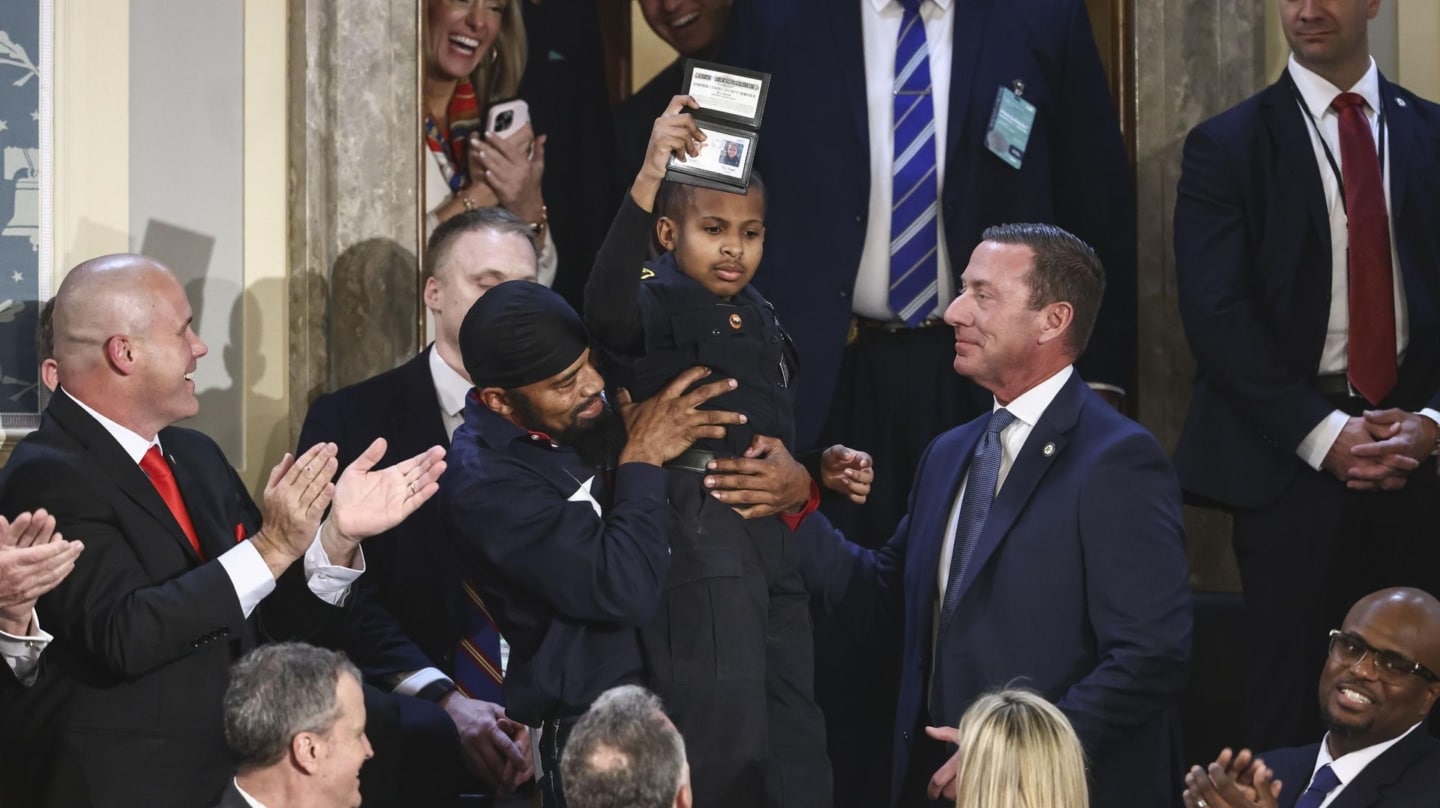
(1330, 156)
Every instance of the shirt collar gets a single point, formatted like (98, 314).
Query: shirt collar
(245, 795)
(496, 430)
(1348, 767)
(881, 5)
(1319, 93)
(134, 445)
(450, 387)
(1031, 404)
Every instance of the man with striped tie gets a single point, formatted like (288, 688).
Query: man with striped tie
(1378, 685)
(406, 635)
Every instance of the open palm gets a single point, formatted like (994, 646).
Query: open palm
(369, 500)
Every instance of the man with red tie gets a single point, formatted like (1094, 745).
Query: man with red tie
(1309, 281)
(181, 573)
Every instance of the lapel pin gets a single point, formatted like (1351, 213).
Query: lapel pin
(735, 321)
(1399, 102)
(1048, 450)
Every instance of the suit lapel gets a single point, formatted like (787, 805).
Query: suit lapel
(1287, 123)
(935, 522)
(1400, 144)
(1047, 441)
(1369, 786)
(850, 45)
(109, 455)
(418, 420)
(967, 39)
(207, 517)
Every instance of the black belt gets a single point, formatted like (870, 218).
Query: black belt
(692, 459)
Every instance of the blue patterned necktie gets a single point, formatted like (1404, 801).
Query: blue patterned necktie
(477, 660)
(914, 233)
(1320, 788)
(975, 506)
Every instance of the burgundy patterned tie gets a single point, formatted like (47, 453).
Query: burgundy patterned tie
(1371, 353)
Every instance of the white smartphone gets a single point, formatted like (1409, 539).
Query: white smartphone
(508, 116)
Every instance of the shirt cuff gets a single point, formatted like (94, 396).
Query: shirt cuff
(794, 519)
(1433, 415)
(416, 681)
(249, 574)
(22, 654)
(330, 582)
(1316, 445)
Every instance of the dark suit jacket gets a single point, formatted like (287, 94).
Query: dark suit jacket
(1253, 263)
(1078, 584)
(127, 710)
(407, 610)
(814, 153)
(1407, 775)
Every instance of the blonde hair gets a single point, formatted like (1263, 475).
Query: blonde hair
(1018, 750)
(498, 78)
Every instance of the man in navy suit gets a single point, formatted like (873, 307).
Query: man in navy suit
(1315, 406)
(1377, 687)
(1044, 542)
(405, 634)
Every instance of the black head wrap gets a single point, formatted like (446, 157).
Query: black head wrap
(520, 333)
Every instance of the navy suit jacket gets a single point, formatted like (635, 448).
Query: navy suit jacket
(127, 708)
(1253, 264)
(814, 152)
(407, 612)
(1405, 776)
(1077, 588)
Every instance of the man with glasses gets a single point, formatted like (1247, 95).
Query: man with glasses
(1376, 689)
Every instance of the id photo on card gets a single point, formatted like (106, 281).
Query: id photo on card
(725, 159)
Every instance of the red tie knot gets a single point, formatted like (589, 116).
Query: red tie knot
(1346, 101)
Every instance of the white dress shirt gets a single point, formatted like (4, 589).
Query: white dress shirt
(245, 795)
(1348, 767)
(248, 572)
(1316, 95)
(1027, 409)
(880, 25)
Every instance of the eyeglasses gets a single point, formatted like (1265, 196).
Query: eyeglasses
(1349, 650)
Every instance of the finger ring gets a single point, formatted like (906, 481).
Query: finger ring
(1201, 803)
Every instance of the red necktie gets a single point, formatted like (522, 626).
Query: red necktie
(155, 467)
(1371, 353)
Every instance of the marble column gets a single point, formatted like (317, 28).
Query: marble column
(1192, 61)
(353, 154)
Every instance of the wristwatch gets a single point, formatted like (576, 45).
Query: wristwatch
(436, 690)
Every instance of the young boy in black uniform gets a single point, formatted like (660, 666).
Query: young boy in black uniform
(730, 650)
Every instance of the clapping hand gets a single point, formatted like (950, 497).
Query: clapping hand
(369, 500)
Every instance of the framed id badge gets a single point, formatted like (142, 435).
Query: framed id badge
(732, 104)
(1010, 125)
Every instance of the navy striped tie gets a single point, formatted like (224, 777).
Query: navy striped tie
(477, 661)
(914, 233)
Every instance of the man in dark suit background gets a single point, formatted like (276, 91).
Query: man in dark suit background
(1316, 337)
(295, 722)
(405, 637)
(180, 573)
(1044, 542)
(1376, 688)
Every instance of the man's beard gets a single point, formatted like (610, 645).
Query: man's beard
(596, 441)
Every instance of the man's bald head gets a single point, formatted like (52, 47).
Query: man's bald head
(1414, 613)
(103, 297)
(124, 343)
